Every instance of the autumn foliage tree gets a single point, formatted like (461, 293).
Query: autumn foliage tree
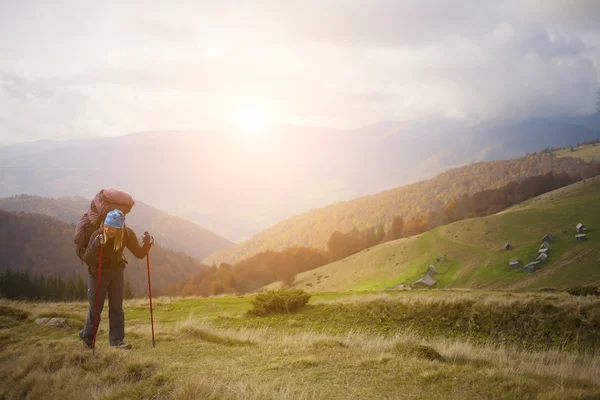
(415, 226)
(341, 245)
(396, 231)
(252, 273)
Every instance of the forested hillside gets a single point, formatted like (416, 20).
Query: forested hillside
(314, 228)
(252, 273)
(39, 244)
(173, 232)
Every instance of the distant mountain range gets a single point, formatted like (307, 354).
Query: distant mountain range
(172, 232)
(238, 186)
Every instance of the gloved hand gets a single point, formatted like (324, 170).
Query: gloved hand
(148, 239)
(98, 240)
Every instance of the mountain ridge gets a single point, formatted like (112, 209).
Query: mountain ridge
(219, 180)
(173, 232)
(314, 228)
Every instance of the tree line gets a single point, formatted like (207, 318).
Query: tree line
(485, 202)
(250, 274)
(19, 285)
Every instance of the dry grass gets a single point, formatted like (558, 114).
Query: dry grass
(76, 309)
(559, 364)
(201, 330)
(199, 387)
(194, 359)
(57, 370)
(450, 298)
(145, 301)
(206, 388)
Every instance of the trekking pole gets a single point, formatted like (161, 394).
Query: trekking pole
(150, 288)
(96, 315)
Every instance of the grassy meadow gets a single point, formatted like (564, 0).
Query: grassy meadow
(436, 344)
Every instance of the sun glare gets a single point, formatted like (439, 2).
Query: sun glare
(253, 119)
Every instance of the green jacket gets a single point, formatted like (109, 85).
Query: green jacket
(112, 258)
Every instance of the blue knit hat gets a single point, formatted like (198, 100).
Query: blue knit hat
(115, 219)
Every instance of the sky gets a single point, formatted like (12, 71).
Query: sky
(78, 69)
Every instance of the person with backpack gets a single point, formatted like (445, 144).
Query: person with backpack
(110, 240)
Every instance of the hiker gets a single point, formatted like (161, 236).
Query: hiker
(114, 236)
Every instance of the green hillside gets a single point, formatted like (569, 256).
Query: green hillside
(313, 229)
(475, 257)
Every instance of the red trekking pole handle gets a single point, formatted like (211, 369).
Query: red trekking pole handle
(150, 289)
(96, 316)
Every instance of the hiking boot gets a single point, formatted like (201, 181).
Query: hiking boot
(121, 345)
(87, 342)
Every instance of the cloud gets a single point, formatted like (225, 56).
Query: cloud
(71, 69)
(579, 13)
(32, 109)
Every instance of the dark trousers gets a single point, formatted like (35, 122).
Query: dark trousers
(111, 282)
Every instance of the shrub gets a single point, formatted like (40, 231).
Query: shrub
(279, 301)
(13, 313)
(419, 351)
(583, 291)
(549, 290)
